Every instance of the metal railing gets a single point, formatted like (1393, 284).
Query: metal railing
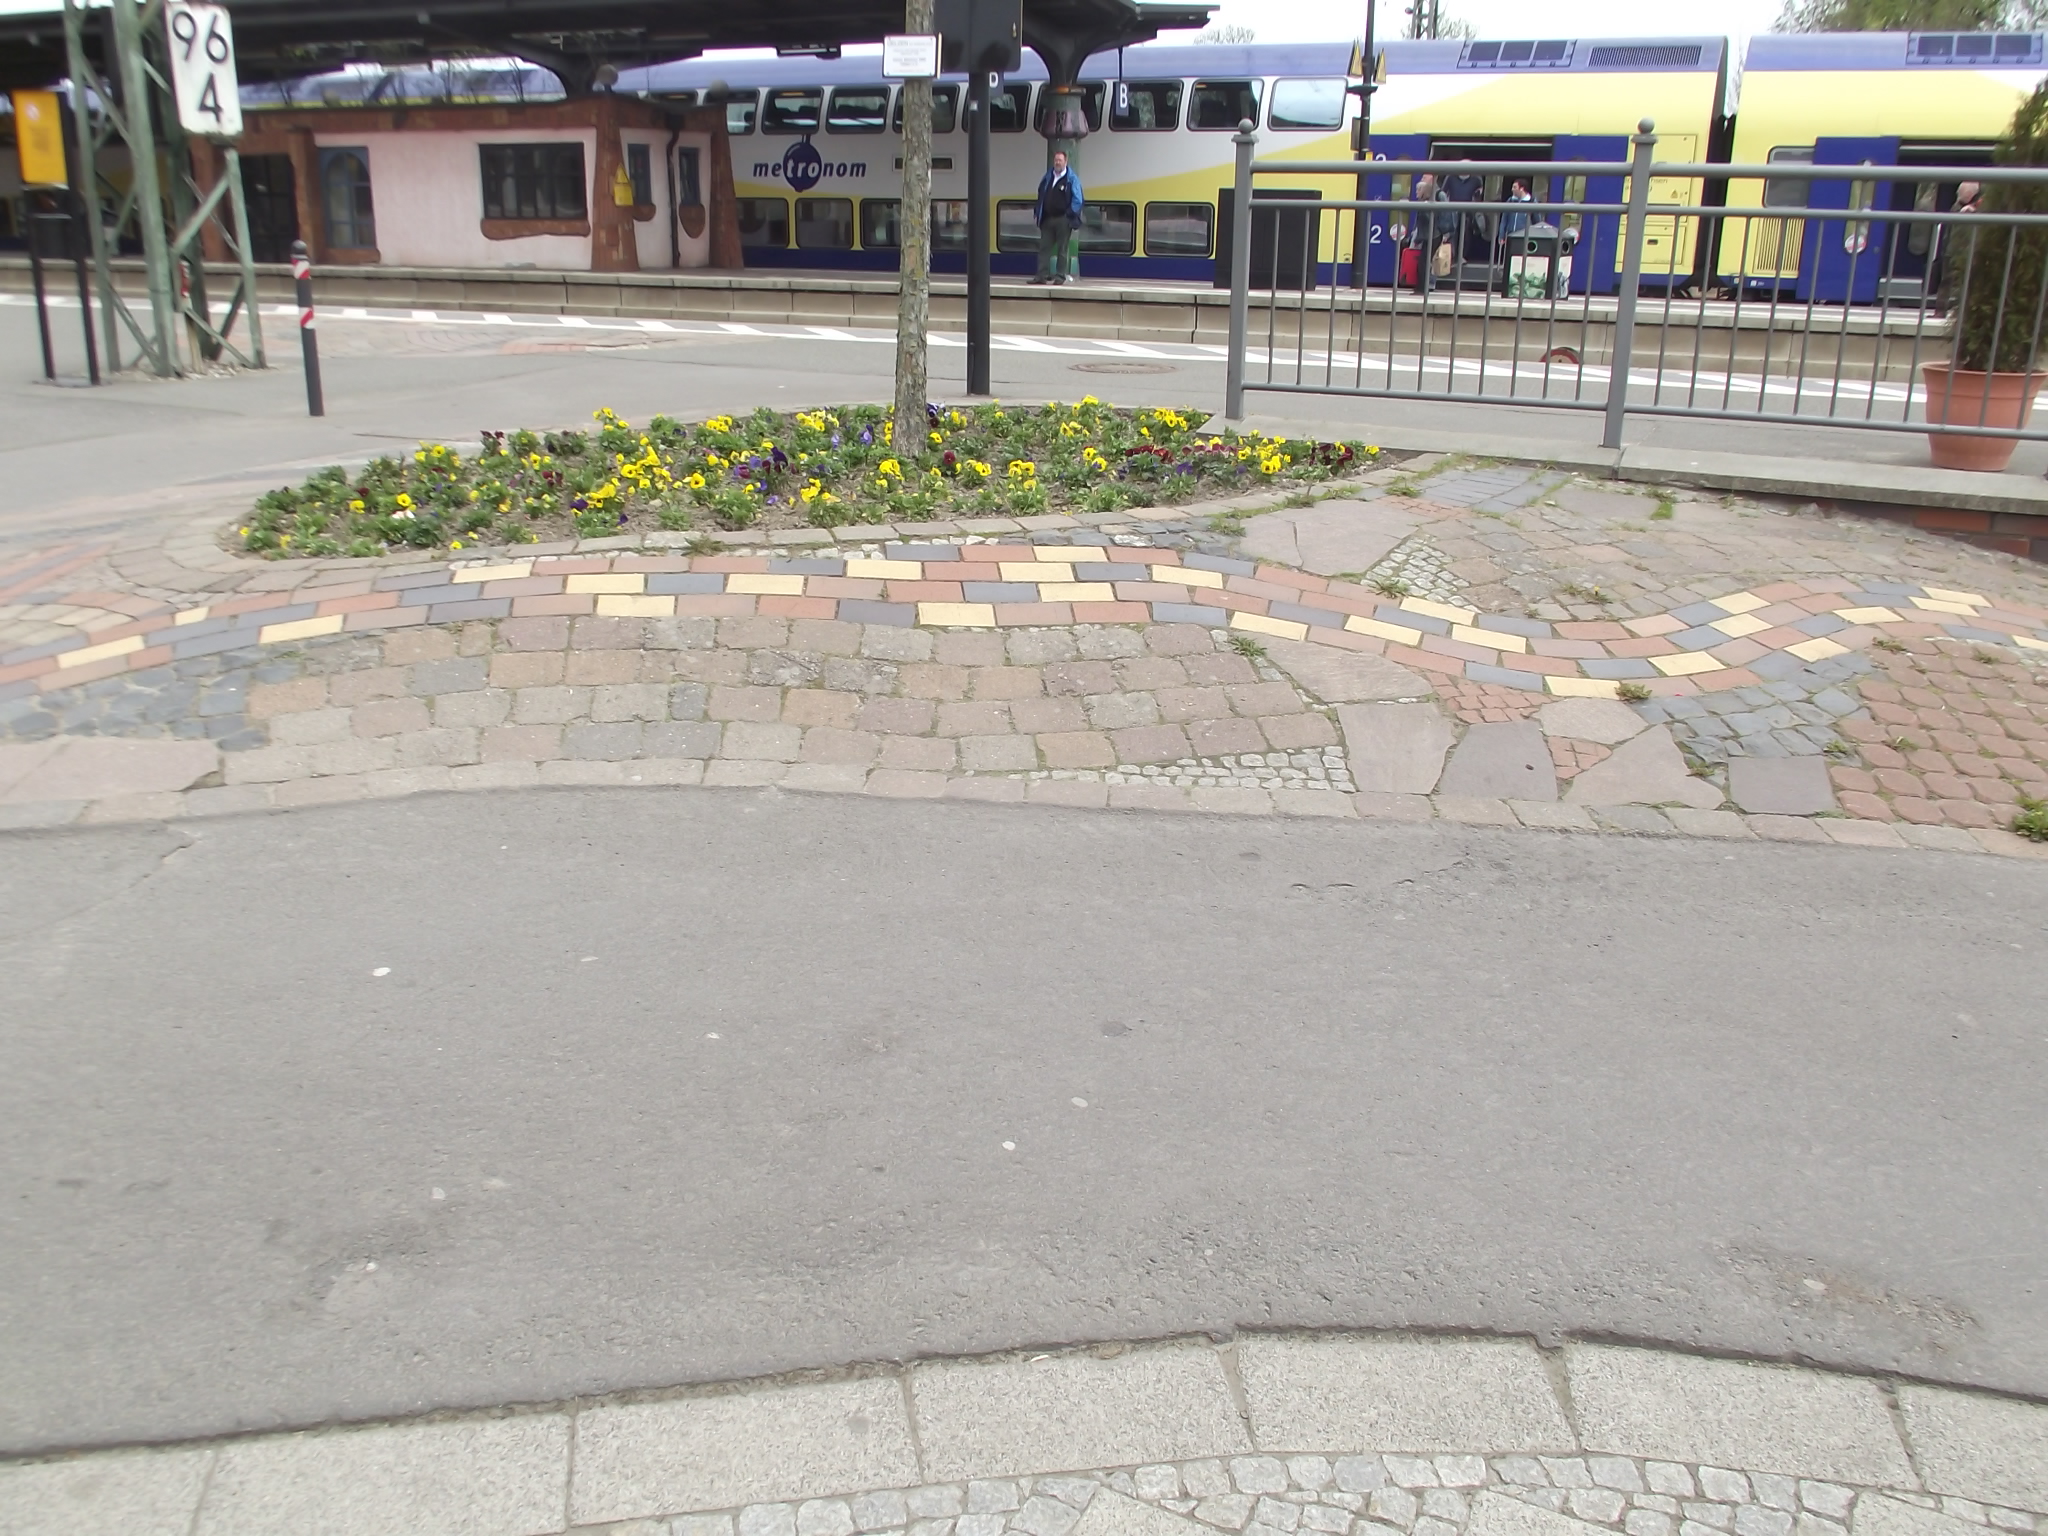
(1794, 294)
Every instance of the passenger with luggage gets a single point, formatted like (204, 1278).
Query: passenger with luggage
(1428, 253)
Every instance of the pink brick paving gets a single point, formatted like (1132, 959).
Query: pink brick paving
(1962, 664)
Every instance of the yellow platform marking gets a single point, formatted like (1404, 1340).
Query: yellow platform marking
(1584, 687)
(1819, 649)
(1739, 602)
(1867, 615)
(1444, 611)
(1380, 629)
(92, 653)
(1738, 625)
(1186, 576)
(622, 605)
(614, 581)
(957, 615)
(1493, 639)
(887, 570)
(781, 584)
(1076, 592)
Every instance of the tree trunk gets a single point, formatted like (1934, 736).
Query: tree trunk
(914, 229)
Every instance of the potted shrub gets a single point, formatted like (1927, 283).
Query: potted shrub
(1992, 380)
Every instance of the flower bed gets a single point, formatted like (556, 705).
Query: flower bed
(826, 468)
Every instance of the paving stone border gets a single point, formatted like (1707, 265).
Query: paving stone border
(1262, 1435)
(1099, 664)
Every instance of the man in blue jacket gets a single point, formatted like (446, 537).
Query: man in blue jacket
(1059, 215)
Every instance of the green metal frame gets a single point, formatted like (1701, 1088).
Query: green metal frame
(126, 111)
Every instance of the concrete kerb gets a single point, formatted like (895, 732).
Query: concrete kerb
(1820, 479)
(1494, 1435)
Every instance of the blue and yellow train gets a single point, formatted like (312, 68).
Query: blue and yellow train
(815, 147)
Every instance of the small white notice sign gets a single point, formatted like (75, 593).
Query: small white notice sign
(910, 56)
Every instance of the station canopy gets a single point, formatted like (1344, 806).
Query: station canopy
(577, 38)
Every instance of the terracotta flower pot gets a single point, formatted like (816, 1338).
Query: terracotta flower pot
(1958, 397)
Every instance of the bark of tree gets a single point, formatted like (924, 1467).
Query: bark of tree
(914, 229)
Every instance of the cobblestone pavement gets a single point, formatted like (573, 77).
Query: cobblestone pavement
(1264, 1436)
(1482, 643)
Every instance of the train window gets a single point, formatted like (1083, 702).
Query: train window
(794, 109)
(1017, 225)
(1224, 103)
(1308, 104)
(1785, 191)
(1178, 229)
(945, 107)
(533, 181)
(881, 222)
(345, 198)
(741, 112)
(676, 98)
(949, 223)
(764, 221)
(858, 109)
(1145, 106)
(1009, 110)
(824, 223)
(1973, 45)
(1110, 229)
(1089, 95)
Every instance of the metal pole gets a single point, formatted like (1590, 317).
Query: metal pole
(149, 204)
(978, 178)
(35, 267)
(309, 336)
(1240, 272)
(239, 205)
(1644, 141)
(83, 209)
(1361, 221)
(85, 176)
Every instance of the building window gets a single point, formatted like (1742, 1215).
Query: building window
(345, 197)
(640, 171)
(764, 222)
(689, 177)
(1109, 229)
(1017, 225)
(1308, 104)
(793, 110)
(1178, 229)
(1223, 104)
(880, 222)
(859, 109)
(741, 112)
(945, 107)
(533, 181)
(1145, 106)
(824, 223)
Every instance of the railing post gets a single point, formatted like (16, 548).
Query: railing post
(1240, 272)
(1644, 142)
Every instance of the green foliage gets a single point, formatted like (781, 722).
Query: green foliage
(1894, 15)
(2005, 267)
(1247, 647)
(822, 468)
(2032, 820)
(1632, 692)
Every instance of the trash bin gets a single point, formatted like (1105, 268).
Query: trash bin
(1539, 264)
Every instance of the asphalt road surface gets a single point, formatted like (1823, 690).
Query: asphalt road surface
(479, 1099)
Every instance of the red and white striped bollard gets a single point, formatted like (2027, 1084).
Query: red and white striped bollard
(309, 336)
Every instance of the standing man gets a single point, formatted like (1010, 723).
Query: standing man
(1059, 214)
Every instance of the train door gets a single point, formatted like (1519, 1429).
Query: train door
(1670, 240)
(1594, 258)
(1480, 253)
(1842, 259)
(1913, 256)
(1387, 230)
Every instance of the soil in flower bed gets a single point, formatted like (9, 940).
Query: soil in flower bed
(772, 469)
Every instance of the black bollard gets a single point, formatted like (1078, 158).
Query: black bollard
(309, 338)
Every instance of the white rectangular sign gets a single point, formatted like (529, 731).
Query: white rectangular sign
(910, 56)
(202, 43)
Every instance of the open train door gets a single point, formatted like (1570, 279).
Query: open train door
(1593, 259)
(1385, 229)
(1841, 261)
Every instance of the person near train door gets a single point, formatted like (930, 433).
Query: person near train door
(1952, 249)
(1429, 235)
(1059, 215)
